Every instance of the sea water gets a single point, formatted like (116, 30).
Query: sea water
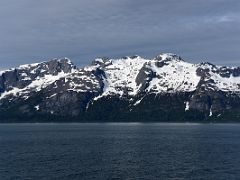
(119, 151)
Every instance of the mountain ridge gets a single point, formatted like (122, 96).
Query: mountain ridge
(57, 88)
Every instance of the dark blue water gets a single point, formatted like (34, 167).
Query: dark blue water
(119, 151)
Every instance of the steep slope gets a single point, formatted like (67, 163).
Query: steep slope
(165, 88)
(33, 77)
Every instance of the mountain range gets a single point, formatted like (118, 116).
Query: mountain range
(130, 89)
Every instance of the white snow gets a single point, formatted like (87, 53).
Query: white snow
(173, 77)
(26, 79)
(42, 71)
(15, 91)
(37, 107)
(222, 83)
(1, 72)
(68, 60)
(187, 106)
(36, 86)
(137, 102)
(226, 84)
(99, 60)
(210, 113)
(51, 96)
(80, 82)
(165, 56)
(90, 68)
(121, 74)
(27, 66)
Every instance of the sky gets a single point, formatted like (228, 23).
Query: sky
(197, 30)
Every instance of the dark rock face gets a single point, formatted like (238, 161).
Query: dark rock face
(120, 90)
(65, 103)
(208, 102)
(24, 75)
(144, 76)
(2, 88)
(10, 79)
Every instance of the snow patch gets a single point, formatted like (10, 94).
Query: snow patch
(174, 76)
(121, 75)
(14, 92)
(210, 112)
(51, 96)
(187, 106)
(137, 102)
(35, 86)
(37, 107)
(28, 66)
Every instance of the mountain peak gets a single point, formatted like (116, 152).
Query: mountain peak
(55, 61)
(58, 87)
(168, 56)
(64, 61)
(131, 57)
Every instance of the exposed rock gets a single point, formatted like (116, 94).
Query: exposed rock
(121, 88)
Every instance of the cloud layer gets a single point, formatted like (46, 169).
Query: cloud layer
(206, 30)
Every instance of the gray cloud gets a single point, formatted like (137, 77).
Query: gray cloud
(206, 30)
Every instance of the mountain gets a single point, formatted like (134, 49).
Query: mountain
(165, 88)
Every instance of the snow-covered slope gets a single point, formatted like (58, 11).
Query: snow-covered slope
(214, 78)
(174, 75)
(158, 86)
(29, 78)
(167, 73)
(120, 75)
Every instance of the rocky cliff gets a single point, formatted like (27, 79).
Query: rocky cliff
(165, 88)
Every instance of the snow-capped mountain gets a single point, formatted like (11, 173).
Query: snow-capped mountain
(165, 88)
